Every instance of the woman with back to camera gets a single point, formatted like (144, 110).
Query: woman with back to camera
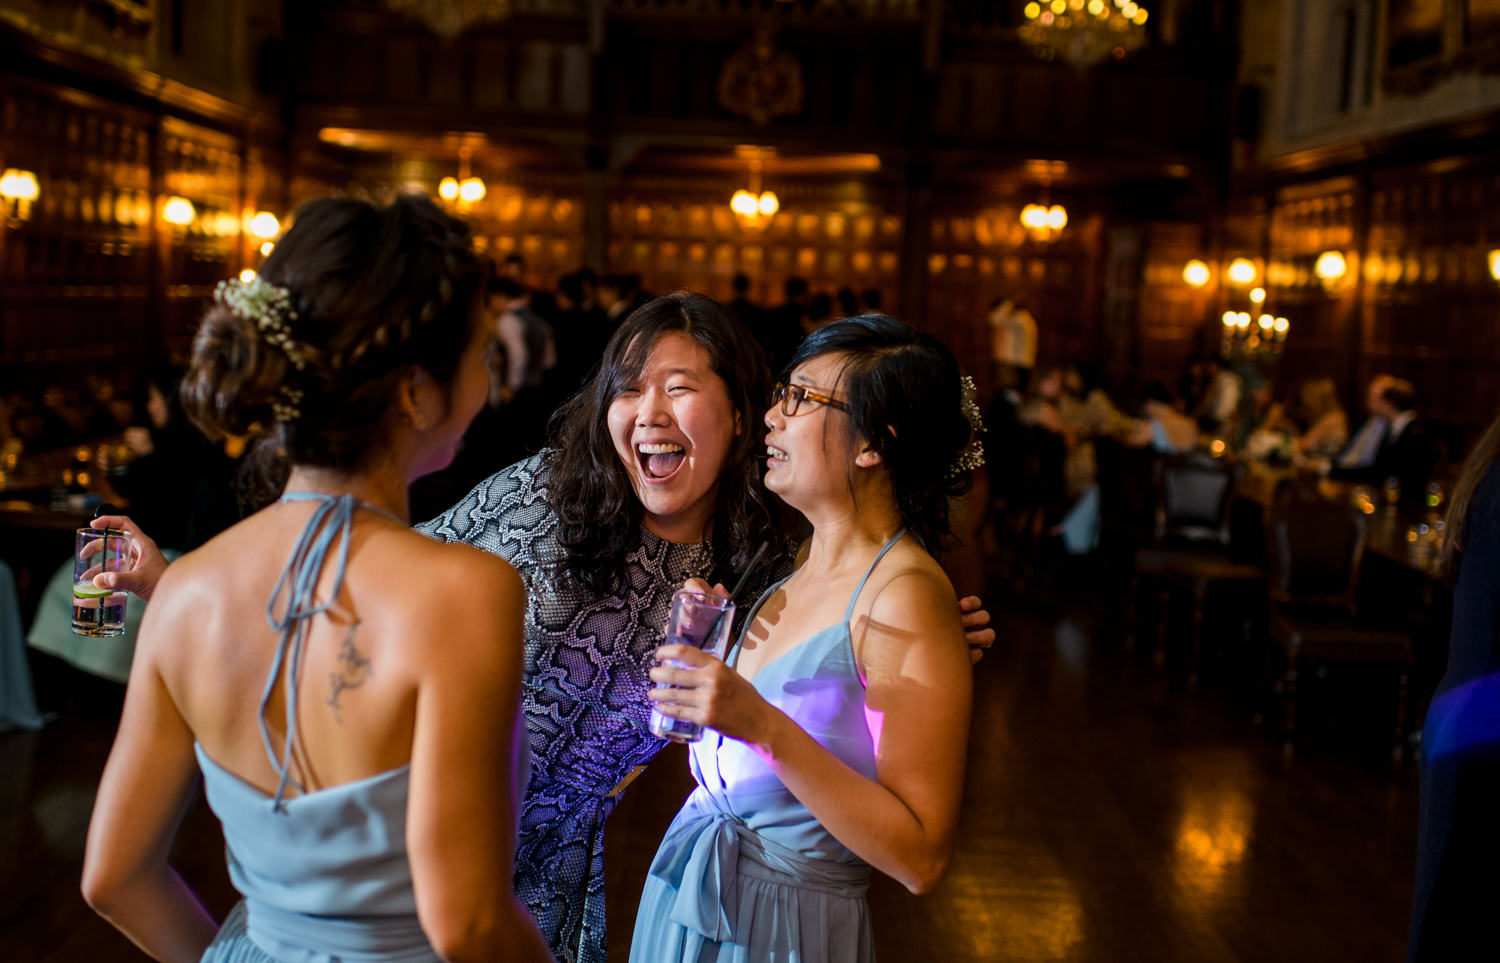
(652, 478)
(355, 719)
(839, 723)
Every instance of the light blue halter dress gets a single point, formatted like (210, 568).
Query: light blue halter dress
(745, 872)
(324, 874)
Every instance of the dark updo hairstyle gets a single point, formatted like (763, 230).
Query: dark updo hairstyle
(598, 511)
(905, 396)
(376, 291)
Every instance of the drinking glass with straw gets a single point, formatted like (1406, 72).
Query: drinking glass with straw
(702, 620)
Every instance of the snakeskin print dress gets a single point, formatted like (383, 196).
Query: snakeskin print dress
(585, 700)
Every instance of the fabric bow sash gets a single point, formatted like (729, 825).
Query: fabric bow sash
(704, 854)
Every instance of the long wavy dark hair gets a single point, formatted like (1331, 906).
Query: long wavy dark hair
(589, 489)
(905, 396)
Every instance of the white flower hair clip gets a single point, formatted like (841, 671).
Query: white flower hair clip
(270, 307)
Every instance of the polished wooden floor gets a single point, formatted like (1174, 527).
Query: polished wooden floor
(1111, 815)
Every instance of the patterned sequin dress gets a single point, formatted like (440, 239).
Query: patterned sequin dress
(585, 701)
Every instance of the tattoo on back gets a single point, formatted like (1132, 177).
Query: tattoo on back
(353, 670)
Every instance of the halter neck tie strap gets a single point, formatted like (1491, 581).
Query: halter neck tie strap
(329, 526)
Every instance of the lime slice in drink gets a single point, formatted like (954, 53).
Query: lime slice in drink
(88, 590)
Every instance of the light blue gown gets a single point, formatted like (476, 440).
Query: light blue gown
(324, 875)
(745, 872)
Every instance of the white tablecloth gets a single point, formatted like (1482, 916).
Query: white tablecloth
(17, 702)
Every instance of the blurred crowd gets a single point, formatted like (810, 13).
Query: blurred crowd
(545, 343)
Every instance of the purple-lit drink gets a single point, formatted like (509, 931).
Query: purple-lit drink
(98, 612)
(702, 621)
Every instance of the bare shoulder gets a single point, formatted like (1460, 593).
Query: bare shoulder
(457, 560)
(912, 625)
(449, 581)
(468, 600)
(910, 592)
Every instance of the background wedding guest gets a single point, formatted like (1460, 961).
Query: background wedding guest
(1326, 428)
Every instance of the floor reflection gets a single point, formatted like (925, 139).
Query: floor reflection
(1213, 833)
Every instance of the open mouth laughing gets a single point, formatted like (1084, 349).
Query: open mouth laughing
(660, 461)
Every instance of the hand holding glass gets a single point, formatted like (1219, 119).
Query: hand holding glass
(98, 612)
(702, 621)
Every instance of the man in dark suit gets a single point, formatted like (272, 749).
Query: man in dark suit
(1364, 445)
(1405, 451)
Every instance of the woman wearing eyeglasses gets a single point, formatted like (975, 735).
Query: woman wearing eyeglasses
(836, 729)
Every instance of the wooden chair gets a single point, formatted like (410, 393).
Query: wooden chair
(1201, 492)
(1315, 554)
(1191, 546)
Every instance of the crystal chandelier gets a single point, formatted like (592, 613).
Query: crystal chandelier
(1084, 32)
(449, 18)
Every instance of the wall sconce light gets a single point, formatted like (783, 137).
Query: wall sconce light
(247, 275)
(469, 190)
(18, 191)
(1242, 271)
(752, 206)
(1331, 269)
(178, 211)
(1495, 264)
(1195, 273)
(465, 189)
(1044, 223)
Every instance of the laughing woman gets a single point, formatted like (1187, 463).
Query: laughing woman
(652, 479)
(838, 724)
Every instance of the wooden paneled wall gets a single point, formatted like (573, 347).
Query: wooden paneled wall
(1414, 220)
(1176, 320)
(679, 238)
(95, 271)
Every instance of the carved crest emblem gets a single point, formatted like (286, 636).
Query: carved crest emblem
(760, 82)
